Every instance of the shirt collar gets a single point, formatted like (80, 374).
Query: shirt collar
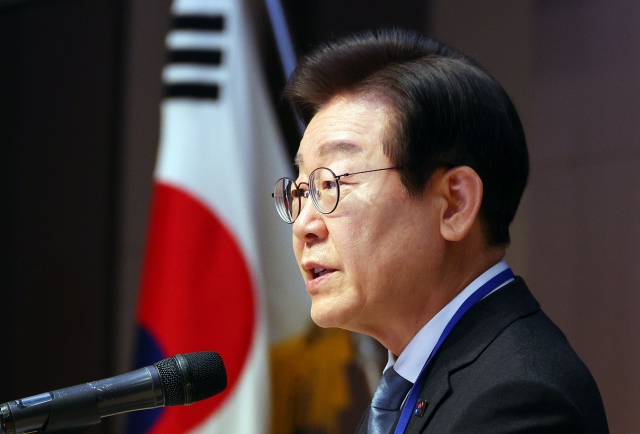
(412, 359)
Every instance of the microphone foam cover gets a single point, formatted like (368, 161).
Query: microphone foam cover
(206, 373)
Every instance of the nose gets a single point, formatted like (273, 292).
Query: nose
(310, 225)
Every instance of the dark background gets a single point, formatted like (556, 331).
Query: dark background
(59, 126)
(79, 93)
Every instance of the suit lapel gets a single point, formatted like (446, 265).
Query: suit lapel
(363, 427)
(474, 332)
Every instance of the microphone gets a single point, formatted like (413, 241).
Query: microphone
(180, 380)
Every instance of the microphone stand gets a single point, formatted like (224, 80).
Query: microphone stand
(72, 413)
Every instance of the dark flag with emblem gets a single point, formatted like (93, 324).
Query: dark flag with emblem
(215, 244)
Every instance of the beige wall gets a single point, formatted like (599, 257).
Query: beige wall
(572, 68)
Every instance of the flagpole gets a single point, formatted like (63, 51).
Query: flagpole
(282, 36)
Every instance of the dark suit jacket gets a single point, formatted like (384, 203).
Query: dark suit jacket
(506, 368)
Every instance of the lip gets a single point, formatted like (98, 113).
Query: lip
(314, 286)
(313, 280)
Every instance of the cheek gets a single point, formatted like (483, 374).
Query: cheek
(387, 238)
(376, 226)
(349, 242)
(356, 245)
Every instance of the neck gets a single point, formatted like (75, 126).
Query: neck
(457, 270)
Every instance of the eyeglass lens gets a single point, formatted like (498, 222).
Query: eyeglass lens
(287, 200)
(324, 191)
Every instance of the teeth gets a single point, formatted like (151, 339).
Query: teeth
(320, 271)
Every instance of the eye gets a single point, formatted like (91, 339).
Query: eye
(328, 185)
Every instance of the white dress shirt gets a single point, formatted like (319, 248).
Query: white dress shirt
(412, 359)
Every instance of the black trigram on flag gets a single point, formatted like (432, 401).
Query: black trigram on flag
(189, 71)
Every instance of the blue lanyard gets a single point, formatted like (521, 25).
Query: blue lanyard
(479, 294)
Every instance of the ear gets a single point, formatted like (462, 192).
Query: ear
(461, 187)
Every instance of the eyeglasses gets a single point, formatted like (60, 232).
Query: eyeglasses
(323, 187)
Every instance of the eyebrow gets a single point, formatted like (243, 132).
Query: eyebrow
(332, 148)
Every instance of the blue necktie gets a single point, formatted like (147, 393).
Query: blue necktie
(386, 401)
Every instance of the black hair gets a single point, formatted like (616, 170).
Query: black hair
(446, 111)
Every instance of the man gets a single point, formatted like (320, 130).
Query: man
(415, 161)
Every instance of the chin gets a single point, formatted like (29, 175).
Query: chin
(327, 317)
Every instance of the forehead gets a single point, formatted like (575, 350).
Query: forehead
(347, 127)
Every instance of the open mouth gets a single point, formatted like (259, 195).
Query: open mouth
(319, 272)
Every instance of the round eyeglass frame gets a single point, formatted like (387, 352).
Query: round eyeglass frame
(280, 192)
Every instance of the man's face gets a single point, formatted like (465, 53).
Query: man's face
(369, 260)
